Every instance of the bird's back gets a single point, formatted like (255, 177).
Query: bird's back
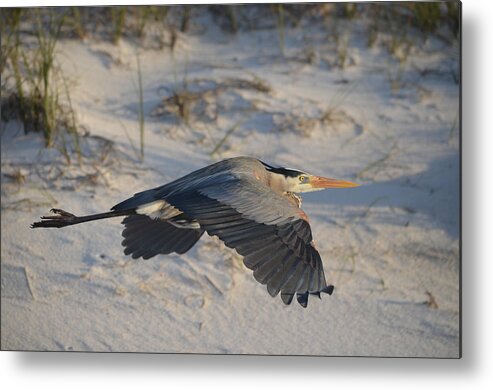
(220, 172)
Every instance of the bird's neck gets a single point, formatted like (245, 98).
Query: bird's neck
(294, 198)
(277, 183)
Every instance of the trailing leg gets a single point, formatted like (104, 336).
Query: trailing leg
(62, 218)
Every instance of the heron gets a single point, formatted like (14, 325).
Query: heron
(253, 207)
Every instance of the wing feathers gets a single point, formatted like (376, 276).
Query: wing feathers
(280, 255)
(145, 237)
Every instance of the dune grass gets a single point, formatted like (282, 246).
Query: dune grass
(35, 91)
(141, 107)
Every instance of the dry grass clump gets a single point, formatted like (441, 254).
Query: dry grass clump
(187, 105)
(333, 119)
(401, 26)
(197, 100)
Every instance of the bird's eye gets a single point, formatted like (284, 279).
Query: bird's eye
(302, 179)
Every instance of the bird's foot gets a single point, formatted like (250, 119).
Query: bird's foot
(60, 219)
(61, 214)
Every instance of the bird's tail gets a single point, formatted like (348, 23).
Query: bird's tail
(62, 218)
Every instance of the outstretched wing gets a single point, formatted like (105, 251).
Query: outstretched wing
(148, 237)
(270, 232)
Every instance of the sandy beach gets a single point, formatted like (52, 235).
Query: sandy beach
(323, 101)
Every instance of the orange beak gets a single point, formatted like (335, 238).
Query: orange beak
(327, 182)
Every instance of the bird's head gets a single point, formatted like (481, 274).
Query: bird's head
(292, 180)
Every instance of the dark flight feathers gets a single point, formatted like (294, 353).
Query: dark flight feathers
(148, 237)
(281, 256)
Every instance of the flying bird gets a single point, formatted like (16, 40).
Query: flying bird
(251, 206)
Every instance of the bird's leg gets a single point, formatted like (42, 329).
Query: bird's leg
(63, 218)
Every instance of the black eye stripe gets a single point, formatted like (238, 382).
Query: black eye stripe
(288, 172)
(283, 171)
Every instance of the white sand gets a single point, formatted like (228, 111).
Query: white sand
(390, 246)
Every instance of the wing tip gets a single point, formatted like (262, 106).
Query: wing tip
(273, 291)
(329, 289)
(302, 298)
(287, 298)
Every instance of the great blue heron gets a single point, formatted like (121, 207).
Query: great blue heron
(251, 206)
